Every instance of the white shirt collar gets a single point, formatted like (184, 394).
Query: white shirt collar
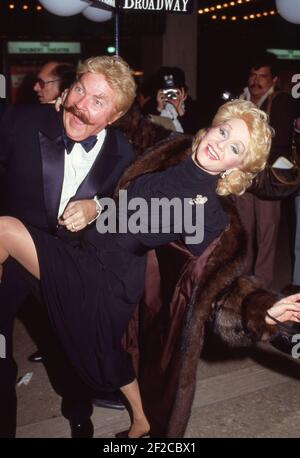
(247, 96)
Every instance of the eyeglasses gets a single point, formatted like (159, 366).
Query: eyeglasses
(43, 83)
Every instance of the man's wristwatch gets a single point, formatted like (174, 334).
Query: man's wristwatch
(98, 209)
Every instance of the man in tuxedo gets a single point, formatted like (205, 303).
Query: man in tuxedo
(52, 79)
(56, 165)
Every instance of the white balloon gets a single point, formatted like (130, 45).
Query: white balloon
(289, 10)
(97, 14)
(65, 7)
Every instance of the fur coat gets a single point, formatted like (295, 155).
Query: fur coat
(182, 294)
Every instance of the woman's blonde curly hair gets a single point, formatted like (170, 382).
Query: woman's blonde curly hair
(255, 160)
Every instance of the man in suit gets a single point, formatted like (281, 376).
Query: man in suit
(261, 217)
(56, 165)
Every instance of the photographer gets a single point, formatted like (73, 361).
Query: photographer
(169, 99)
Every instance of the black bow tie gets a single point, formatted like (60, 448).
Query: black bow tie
(87, 143)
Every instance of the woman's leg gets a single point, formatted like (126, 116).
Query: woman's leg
(140, 425)
(16, 241)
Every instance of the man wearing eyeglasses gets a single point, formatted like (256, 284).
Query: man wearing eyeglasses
(52, 79)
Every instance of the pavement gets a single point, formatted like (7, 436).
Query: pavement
(240, 393)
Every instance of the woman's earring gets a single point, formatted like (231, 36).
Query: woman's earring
(226, 172)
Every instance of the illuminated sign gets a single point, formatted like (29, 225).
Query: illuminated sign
(48, 47)
(291, 54)
(171, 6)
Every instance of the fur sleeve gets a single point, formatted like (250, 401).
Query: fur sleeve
(238, 318)
(254, 309)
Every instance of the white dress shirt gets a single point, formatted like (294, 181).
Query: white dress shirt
(77, 165)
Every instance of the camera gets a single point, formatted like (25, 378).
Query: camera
(170, 93)
(169, 89)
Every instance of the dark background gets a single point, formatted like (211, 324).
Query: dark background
(224, 47)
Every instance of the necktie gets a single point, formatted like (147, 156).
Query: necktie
(87, 143)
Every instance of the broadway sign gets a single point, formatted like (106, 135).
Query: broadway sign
(170, 6)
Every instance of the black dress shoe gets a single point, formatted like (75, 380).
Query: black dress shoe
(36, 357)
(81, 430)
(109, 401)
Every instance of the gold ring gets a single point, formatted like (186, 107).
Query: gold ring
(73, 227)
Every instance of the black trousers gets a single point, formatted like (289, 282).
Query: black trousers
(17, 284)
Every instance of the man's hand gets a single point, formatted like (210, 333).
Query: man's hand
(78, 214)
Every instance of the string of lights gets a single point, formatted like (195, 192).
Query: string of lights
(24, 7)
(221, 6)
(246, 17)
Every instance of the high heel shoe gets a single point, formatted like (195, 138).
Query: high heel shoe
(124, 435)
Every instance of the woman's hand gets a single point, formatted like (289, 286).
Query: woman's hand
(286, 309)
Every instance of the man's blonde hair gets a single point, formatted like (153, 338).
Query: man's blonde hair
(256, 157)
(118, 75)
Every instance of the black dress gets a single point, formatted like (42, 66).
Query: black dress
(92, 290)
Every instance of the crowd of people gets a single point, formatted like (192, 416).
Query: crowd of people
(65, 164)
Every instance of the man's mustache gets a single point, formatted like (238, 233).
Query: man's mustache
(76, 112)
(255, 85)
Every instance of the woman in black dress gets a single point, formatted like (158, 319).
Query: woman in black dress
(92, 291)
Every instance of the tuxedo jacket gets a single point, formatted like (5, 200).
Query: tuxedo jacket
(32, 155)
